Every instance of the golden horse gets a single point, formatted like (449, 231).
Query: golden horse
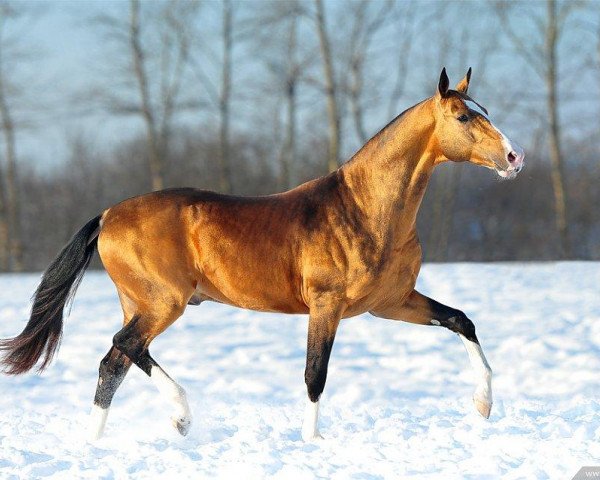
(334, 247)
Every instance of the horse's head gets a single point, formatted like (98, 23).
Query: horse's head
(464, 131)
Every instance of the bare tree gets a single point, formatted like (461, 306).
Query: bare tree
(10, 220)
(367, 22)
(331, 90)
(225, 182)
(404, 20)
(542, 56)
(286, 62)
(4, 254)
(141, 76)
(149, 83)
(12, 193)
(288, 157)
(291, 64)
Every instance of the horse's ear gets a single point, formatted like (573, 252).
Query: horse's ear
(463, 85)
(444, 83)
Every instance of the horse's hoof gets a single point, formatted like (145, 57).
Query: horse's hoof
(93, 435)
(182, 425)
(484, 408)
(311, 437)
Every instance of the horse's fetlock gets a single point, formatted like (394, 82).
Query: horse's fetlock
(315, 383)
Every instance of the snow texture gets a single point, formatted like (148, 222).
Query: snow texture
(397, 401)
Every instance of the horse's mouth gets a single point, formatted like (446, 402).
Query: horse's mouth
(508, 173)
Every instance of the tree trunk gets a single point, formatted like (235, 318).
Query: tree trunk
(437, 212)
(12, 221)
(355, 96)
(448, 219)
(225, 183)
(556, 158)
(3, 231)
(289, 154)
(154, 157)
(357, 56)
(171, 80)
(15, 246)
(330, 90)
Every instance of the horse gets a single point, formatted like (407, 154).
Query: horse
(334, 247)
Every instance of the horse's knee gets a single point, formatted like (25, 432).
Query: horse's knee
(129, 340)
(134, 344)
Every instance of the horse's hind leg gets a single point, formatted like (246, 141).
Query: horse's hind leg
(418, 308)
(133, 341)
(113, 368)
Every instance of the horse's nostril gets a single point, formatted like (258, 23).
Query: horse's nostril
(512, 157)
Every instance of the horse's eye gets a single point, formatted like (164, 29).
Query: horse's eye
(463, 118)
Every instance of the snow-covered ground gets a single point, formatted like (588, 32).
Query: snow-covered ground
(397, 401)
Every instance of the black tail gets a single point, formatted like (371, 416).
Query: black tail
(41, 336)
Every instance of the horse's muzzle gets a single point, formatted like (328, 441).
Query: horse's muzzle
(516, 161)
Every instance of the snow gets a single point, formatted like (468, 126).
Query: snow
(397, 401)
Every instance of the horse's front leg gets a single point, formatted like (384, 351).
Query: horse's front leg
(325, 315)
(418, 308)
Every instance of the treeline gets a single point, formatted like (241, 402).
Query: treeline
(257, 97)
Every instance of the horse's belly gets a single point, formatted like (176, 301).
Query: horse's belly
(265, 288)
(380, 291)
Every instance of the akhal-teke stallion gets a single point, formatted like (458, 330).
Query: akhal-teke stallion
(333, 248)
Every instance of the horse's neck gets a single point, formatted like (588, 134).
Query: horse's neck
(388, 176)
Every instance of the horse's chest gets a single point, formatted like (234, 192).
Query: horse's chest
(397, 276)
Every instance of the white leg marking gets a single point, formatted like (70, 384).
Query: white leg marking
(182, 418)
(97, 421)
(483, 393)
(310, 431)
